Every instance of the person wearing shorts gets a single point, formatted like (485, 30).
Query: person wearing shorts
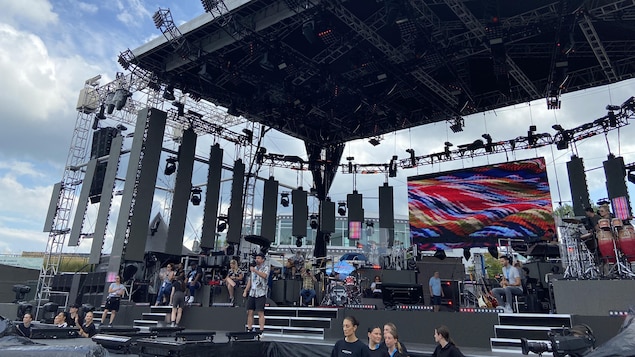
(257, 290)
(116, 291)
(177, 300)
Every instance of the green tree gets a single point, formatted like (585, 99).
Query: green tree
(563, 210)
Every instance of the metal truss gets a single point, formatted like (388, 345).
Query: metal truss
(596, 45)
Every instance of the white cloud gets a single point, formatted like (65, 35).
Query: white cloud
(38, 13)
(87, 8)
(131, 12)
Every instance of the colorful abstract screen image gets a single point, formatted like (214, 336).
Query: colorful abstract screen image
(476, 207)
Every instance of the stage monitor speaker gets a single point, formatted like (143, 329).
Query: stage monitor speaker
(269, 209)
(355, 209)
(300, 213)
(327, 217)
(393, 294)
(235, 212)
(212, 195)
(450, 294)
(615, 177)
(386, 207)
(578, 185)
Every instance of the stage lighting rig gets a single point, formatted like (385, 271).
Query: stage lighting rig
(20, 292)
(446, 149)
(168, 94)
(298, 242)
(532, 139)
(314, 221)
(457, 125)
(489, 147)
(351, 167)
(170, 165)
(375, 141)
(392, 167)
(196, 196)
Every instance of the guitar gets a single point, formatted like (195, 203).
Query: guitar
(484, 299)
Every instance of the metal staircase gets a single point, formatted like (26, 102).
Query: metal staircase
(534, 327)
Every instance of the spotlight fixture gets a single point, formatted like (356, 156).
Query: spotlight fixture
(101, 115)
(612, 119)
(196, 196)
(170, 166)
(392, 167)
(120, 98)
(168, 94)
(413, 158)
(222, 225)
(488, 144)
(298, 242)
(375, 141)
(446, 149)
(351, 167)
(531, 138)
(314, 221)
(341, 208)
(557, 127)
(284, 199)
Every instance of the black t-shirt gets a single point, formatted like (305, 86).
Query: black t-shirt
(450, 350)
(350, 349)
(178, 285)
(90, 330)
(23, 330)
(380, 351)
(70, 321)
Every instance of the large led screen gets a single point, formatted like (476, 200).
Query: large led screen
(481, 205)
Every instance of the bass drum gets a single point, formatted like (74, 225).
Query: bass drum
(339, 296)
(627, 242)
(605, 244)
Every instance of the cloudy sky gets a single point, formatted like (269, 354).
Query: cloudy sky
(49, 48)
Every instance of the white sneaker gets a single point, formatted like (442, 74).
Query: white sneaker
(508, 309)
(190, 300)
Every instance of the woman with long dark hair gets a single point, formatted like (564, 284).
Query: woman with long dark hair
(445, 347)
(374, 342)
(350, 345)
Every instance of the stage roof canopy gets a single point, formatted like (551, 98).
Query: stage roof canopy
(329, 71)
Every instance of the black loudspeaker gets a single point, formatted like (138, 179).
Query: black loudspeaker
(386, 207)
(102, 140)
(355, 209)
(212, 195)
(300, 212)
(327, 217)
(450, 294)
(269, 209)
(578, 185)
(615, 178)
(235, 212)
(393, 294)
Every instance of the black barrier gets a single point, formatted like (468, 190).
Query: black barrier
(393, 294)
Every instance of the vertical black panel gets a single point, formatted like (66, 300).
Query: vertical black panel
(327, 217)
(145, 151)
(52, 211)
(300, 212)
(355, 210)
(578, 185)
(102, 140)
(82, 202)
(615, 173)
(212, 195)
(615, 177)
(386, 207)
(106, 197)
(182, 193)
(235, 211)
(269, 209)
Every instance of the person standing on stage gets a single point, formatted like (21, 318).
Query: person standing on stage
(510, 285)
(436, 292)
(257, 290)
(25, 329)
(177, 300)
(116, 291)
(350, 345)
(445, 347)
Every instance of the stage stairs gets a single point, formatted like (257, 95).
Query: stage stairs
(159, 316)
(512, 327)
(300, 322)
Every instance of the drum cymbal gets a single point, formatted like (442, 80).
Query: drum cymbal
(571, 220)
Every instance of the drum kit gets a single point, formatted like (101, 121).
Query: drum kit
(608, 251)
(340, 293)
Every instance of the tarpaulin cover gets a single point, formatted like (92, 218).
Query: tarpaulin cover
(623, 344)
